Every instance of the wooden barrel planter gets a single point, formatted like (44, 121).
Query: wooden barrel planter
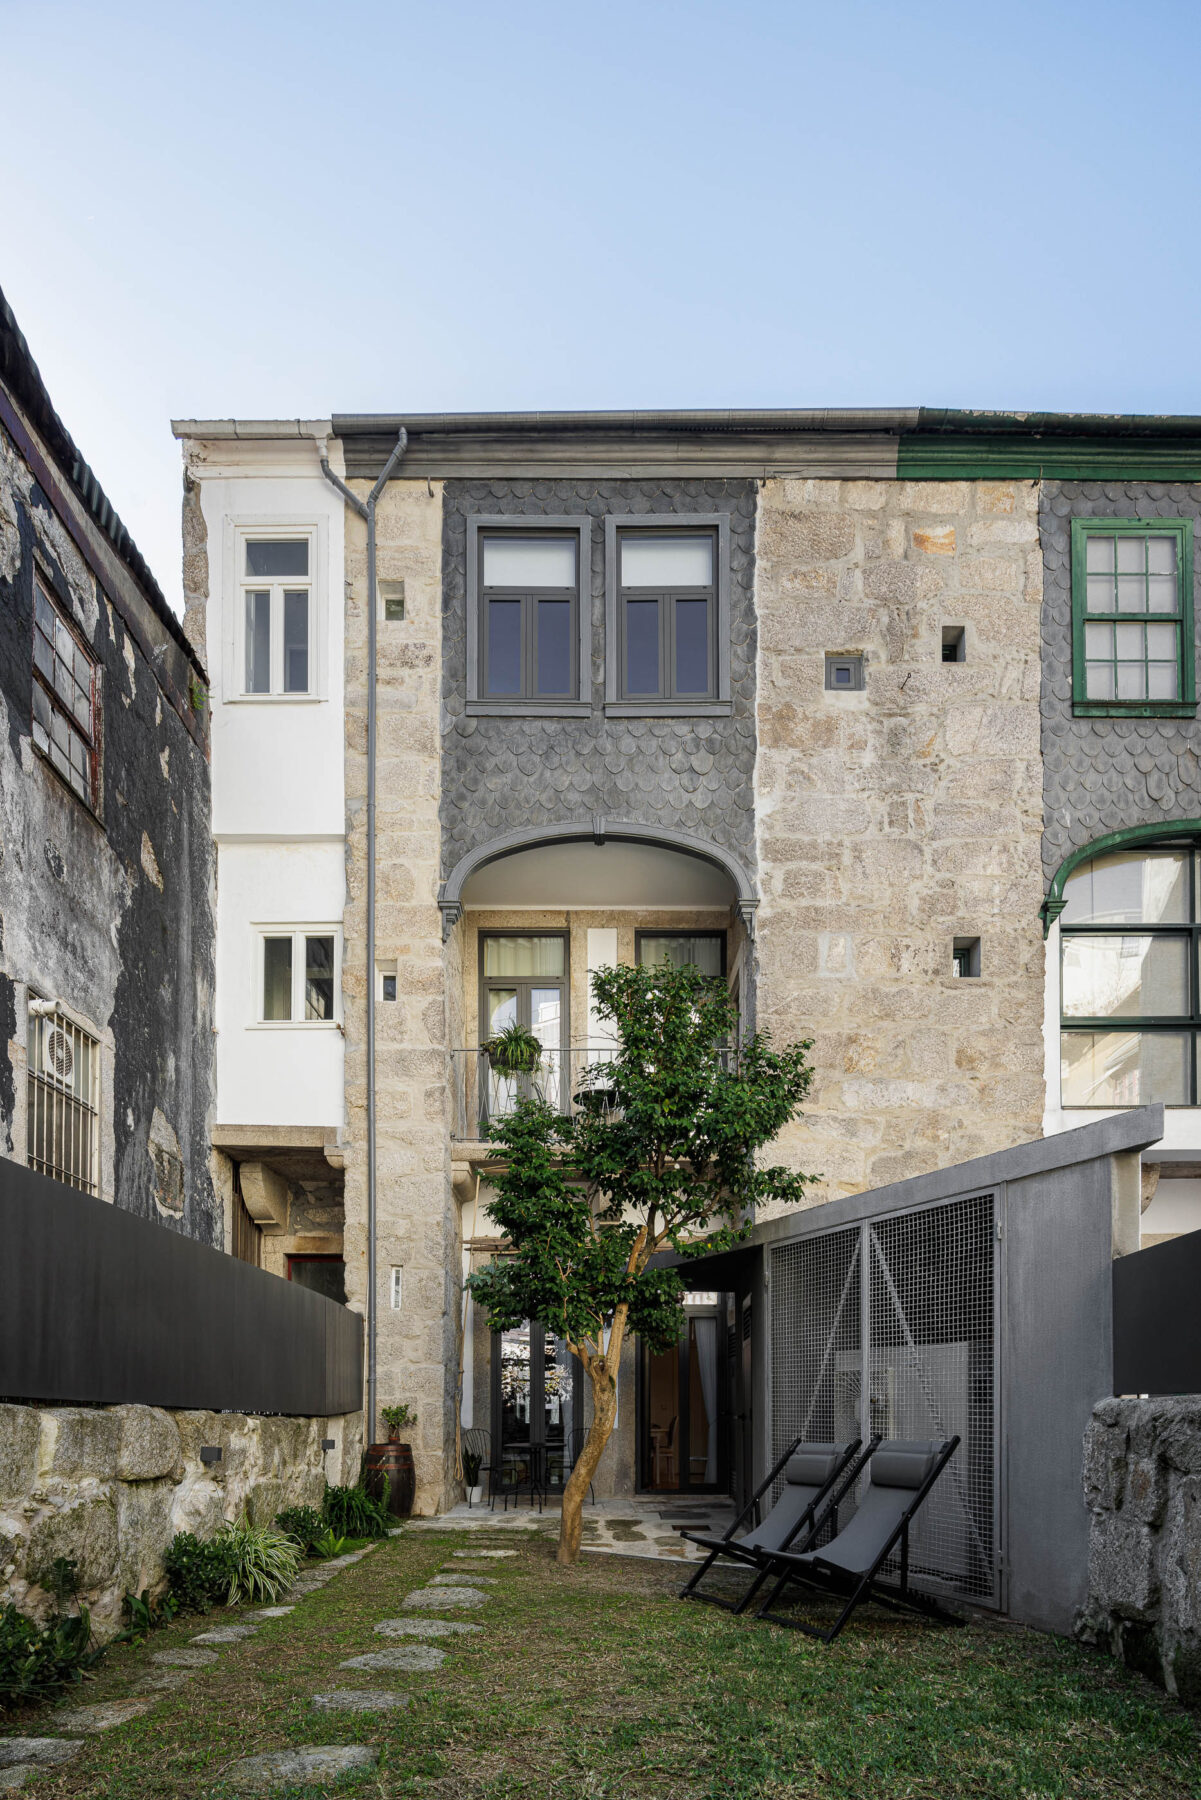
(391, 1477)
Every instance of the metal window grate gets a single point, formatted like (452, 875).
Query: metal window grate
(63, 1084)
(888, 1327)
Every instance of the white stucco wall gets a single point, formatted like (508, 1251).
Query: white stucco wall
(278, 782)
(277, 1073)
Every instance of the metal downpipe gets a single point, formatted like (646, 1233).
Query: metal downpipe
(368, 512)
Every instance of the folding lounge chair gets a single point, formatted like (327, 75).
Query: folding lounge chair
(902, 1472)
(815, 1479)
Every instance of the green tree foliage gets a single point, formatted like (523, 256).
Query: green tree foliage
(659, 1153)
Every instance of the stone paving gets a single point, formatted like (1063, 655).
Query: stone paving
(643, 1527)
(306, 1765)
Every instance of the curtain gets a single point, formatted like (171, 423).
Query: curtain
(706, 1356)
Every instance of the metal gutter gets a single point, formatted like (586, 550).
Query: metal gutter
(367, 511)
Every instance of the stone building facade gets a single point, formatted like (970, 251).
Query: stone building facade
(859, 830)
(106, 861)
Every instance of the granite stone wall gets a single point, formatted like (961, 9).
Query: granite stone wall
(1103, 775)
(108, 1487)
(1142, 1485)
(689, 774)
(894, 820)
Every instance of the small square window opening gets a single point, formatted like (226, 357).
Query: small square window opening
(965, 957)
(396, 1287)
(392, 593)
(844, 674)
(954, 644)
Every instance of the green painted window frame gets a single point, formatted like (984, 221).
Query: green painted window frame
(1186, 706)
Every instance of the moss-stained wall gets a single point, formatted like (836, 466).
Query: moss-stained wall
(109, 913)
(893, 820)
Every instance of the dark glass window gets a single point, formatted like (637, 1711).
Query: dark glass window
(667, 614)
(529, 596)
(64, 698)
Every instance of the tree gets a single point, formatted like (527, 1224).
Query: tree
(659, 1154)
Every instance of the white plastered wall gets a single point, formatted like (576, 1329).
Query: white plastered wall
(278, 782)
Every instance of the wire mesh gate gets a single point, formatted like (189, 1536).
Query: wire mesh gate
(889, 1328)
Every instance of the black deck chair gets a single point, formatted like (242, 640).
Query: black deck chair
(815, 1480)
(902, 1472)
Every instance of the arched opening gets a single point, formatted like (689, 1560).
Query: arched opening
(1124, 1001)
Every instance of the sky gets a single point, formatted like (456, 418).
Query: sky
(286, 210)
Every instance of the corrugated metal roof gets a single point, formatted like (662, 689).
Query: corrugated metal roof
(22, 377)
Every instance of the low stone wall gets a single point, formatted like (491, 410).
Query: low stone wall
(110, 1486)
(1142, 1484)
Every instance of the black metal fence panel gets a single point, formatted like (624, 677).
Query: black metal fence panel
(1157, 1318)
(99, 1306)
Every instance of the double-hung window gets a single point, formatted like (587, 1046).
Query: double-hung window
(528, 608)
(299, 975)
(64, 697)
(277, 615)
(1132, 617)
(666, 614)
(1130, 1012)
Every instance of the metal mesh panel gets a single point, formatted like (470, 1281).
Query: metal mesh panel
(888, 1328)
(932, 1366)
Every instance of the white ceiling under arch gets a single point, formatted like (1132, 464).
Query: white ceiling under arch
(581, 874)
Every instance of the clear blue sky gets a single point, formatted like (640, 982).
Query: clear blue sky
(269, 209)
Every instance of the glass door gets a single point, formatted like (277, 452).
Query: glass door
(533, 1406)
(523, 981)
(683, 1405)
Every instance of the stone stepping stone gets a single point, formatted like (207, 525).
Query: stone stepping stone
(15, 1775)
(454, 1580)
(271, 1612)
(308, 1767)
(224, 1634)
(104, 1717)
(184, 1658)
(424, 1628)
(170, 1679)
(464, 1554)
(39, 1752)
(416, 1658)
(360, 1700)
(434, 1598)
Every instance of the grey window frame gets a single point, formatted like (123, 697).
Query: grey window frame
(480, 705)
(617, 704)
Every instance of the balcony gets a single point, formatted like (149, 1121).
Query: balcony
(482, 1095)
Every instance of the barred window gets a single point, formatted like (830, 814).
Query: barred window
(63, 1137)
(64, 697)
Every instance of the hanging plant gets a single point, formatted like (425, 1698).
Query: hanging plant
(514, 1051)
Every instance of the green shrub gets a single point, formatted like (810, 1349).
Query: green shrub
(330, 1545)
(198, 1574)
(144, 1613)
(40, 1659)
(261, 1560)
(352, 1512)
(304, 1524)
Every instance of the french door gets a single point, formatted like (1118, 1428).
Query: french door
(523, 981)
(683, 1405)
(533, 1407)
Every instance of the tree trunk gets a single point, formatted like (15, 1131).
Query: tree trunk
(604, 1414)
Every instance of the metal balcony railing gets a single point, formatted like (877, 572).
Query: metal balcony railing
(482, 1095)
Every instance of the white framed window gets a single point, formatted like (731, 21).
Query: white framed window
(298, 975)
(275, 637)
(63, 1099)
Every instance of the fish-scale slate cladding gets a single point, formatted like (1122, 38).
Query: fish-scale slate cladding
(509, 774)
(1102, 775)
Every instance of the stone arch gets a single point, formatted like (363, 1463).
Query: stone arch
(598, 830)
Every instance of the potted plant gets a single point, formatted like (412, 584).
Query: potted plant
(471, 1477)
(513, 1051)
(396, 1418)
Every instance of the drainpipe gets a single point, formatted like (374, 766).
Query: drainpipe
(368, 512)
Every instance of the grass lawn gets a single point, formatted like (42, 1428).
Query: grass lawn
(597, 1682)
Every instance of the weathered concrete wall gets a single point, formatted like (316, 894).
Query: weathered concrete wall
(110, 912)
(1142, 1484)
(893, 820)
(690, 774)
(417, 1224)
(109, 1488)
(1102, 775)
